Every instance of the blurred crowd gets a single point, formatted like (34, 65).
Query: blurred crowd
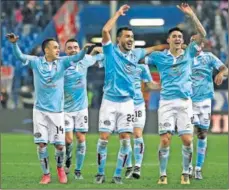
(28, 18)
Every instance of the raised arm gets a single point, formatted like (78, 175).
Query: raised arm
(160, 47)
(186, 9)
(16, 50)
(110, 23)
(74, 59)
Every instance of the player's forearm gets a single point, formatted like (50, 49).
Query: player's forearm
(199, 27)
(17, 52)
(223, 70)
(152, 86)
(110, 23)
(77, 57)
(160, 47)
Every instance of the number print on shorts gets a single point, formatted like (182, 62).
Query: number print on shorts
(138, 113)
(130, 117)
(85, 119)
(59, 129)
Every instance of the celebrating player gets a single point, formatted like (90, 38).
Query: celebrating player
(48, 117)
(203, 92)
(117, 109)
(76, 105)
(174, 66)
(142, 74)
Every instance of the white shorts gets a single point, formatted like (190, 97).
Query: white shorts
(177, 112)
(48, 127)
(76, 121)
(140, 116)
(202, 114)
(116, 116)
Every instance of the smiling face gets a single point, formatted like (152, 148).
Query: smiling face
(52, 50)
(72, 48)
(175, 40)
(126, 40)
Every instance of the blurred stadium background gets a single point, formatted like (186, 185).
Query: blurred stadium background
(36, 20)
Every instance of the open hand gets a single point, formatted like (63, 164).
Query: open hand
(185, 8)
(123, 9)
(12, 37)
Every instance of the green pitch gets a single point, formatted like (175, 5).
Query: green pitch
(20, 167)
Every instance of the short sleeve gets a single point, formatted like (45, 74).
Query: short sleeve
(108, 48)
(215, 62)
(146, 75)
(151, 59)
(139, 53)
(193, 48)
(91, 60)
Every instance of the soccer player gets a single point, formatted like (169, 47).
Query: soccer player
(48, 117)
(117, 108)
(142, 74)
(76, 105)
(203, 92)
(175, 109)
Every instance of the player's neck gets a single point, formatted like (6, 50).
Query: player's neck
(176, 52)
(123, 50)
(49, 59)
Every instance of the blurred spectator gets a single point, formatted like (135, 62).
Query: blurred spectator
(45, 18)
(4, 98)
(28, 12)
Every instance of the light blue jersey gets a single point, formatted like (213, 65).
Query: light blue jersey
(75, 84)
(48, 78)
(120, 70)
(175, 72)
(202, 82)
(142, 74)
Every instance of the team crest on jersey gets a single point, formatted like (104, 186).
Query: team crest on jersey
(133, 57)
(129, 68)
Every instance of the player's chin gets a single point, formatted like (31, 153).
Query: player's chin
(128, 47)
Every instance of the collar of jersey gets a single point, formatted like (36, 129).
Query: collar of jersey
(169, 53)
(44, 60)
(124, 54)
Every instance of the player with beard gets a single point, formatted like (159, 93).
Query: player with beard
(117, 108)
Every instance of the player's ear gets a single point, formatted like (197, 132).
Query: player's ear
(168, 40)
(118, 39)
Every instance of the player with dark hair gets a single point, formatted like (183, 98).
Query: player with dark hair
(48, 116)
(175, 107)
(76, 105)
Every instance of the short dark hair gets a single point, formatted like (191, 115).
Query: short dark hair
(71, 40)
(45, 43)
(119, 31)
(175, 29)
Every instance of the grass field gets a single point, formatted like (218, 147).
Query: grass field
(21, 169)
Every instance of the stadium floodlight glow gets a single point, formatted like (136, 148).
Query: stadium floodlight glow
(147, 22)
(96, 40)
(139, 43)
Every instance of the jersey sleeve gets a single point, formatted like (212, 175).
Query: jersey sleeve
(193, 48)
(91, 60)
(215, 61)
(27, 60)
(108, 48)
(139, 53)
(146, 75)
(73, 59)
(151, 59)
